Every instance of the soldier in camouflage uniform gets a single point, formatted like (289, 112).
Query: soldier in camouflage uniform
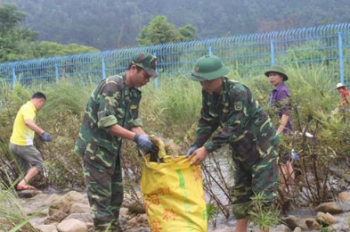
(111, 115)
(244, 126)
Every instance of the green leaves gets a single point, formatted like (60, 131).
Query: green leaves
(160, 31)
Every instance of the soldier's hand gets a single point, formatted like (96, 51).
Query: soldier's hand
(191, 150)
(45, 137)
(143, 142)
(198, 156)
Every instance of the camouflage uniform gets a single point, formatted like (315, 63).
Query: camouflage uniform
(252, 138)
(112, 102)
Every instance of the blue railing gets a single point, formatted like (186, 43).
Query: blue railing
(327, 45)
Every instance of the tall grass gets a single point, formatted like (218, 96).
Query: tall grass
(172, 112)
(12, 215)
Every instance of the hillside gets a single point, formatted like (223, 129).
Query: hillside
(111, 24)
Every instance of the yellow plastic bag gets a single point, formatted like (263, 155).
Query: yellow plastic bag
(174, 196)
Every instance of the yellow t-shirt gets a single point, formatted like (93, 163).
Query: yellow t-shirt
(21, 134)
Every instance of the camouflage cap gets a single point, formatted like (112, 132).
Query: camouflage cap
(146, 61)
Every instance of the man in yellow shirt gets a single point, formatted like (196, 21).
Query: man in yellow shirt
(21, 142)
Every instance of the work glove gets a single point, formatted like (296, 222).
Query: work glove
(143, 142)
(191, 150)
(45, 137)
(295, 155)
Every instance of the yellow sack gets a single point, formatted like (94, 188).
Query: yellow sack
(174, 196)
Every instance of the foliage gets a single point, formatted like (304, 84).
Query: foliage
(50, 49)
(262, 215)
(160, 31)
(18, 43)
(12, 215)
(122, 20)
(172, 112)
(13, 39)
(212, 211)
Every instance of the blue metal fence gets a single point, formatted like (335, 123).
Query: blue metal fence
(327, 45)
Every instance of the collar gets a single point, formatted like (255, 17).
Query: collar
(279, 86)
(126, 85)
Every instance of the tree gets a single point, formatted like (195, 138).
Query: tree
(160, 31)
(15, 42)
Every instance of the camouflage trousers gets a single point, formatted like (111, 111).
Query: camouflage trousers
(259, 177)
(105, 193)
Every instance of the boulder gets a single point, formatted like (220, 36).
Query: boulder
(312, 224)
(344, 196)
(72, 225)
(83, 217)
(326, 218)
(79, 208)
(294, 222)
(329, 207)
(46, 228)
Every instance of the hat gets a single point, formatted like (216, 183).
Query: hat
(146, 61)
(208, 68)
(277, 69)
(339, 85)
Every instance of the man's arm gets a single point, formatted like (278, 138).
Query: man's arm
(29, 123)
(121, 132)
(283, 123)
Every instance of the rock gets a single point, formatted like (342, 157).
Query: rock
(312, 224)
(344, 196)
(83, 217)
(297, 229)
(59, 204)
(28, 193)
(52, 198)
(329, 207)
(72, 225)
(46, 228)
(75, 197)
(123, 211)
(340, 227)
(90, 225)
(142, 219)
(326, 218)
(136, 207)
(57, 216)
(132, 222)
(293, 222)
(79, 208)
(64, 203)
(281, 228)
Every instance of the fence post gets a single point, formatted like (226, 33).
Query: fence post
(340, 41)
(156, 79)
(14, 77)
(103, 68)
(56, 73)
(272, 48)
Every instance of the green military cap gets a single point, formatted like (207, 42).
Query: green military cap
(146, 61)
(208, 68)
(277, 69)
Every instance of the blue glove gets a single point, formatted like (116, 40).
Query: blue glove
(295, 155)
(143, 142)
(191, 150)
(45, 137)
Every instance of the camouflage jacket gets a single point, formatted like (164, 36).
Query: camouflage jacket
(110, 103)
(244, 124)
